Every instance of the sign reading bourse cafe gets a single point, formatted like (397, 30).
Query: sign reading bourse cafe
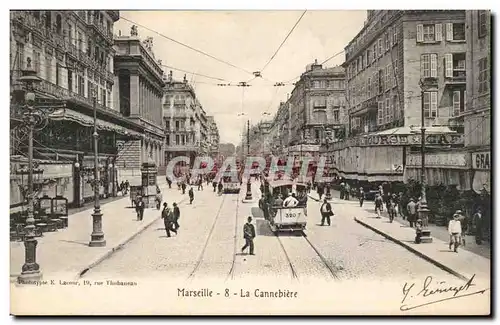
(481, 160)
(412, 139)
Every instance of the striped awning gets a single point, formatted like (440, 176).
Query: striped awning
(85, 120)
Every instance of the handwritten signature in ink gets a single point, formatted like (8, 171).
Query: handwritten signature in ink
(439, 291)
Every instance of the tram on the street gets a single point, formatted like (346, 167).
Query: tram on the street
(285, 218)
(231, 184)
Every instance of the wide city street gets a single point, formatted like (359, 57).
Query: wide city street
(211, 236)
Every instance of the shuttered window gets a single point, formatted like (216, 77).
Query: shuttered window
(380, 113)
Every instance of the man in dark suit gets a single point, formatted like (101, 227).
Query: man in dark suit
(177, 215)
(248, 235)
(139, 208)
(326, 212)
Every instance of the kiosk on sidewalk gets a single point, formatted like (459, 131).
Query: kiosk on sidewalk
(149, 183)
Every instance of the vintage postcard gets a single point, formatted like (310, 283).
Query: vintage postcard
(301, 162)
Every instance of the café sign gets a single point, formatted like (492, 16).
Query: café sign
(448, 160)
(412, 139)
(481, 160)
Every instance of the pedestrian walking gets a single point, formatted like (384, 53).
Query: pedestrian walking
(248, 235)
(326, 212)
(400, 205)
(477, 220)
(158, 199)
(455, 231)
(191, 195)
(412, 212)
(177, 215)
(320, 191)
(183, 186)
(361, 196)
(347, 191)
(220, 188)
(214, 184)
(391, 209)
(379, 205)
(200, 184)
(169, 182)
(139, 208)
(342, 190)
(167, 217)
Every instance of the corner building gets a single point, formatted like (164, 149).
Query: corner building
(400, 63)
(138, 95)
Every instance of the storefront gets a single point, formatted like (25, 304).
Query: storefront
(481, 169)
(449, 168)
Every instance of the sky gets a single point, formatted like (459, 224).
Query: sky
(246, 40)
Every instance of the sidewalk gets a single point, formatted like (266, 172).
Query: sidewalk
(67, 251)
(463, 264)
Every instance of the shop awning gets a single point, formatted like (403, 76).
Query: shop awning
(440, 176)
(416, 130)
(85, 120)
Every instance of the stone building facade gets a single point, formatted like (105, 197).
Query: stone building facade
(72, 52)
(401, 63)
(185, 121)
(213, 137)
(139, 77)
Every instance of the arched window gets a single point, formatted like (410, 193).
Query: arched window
(58, 24)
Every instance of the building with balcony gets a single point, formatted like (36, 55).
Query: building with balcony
(72, 52)
(138, 95)
(401, 64)
(185, 121)
(213, 137)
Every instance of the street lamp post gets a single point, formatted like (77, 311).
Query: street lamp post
(423, 210)
(248, 196)
(328, 194)
(97, 236)
(31, 117)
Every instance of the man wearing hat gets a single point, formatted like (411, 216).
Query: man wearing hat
(418, 231)
(290, 201)
(248, 235)
(455, 230)
(326, 212)
(177, 215)
(139, 208)
(412, 212)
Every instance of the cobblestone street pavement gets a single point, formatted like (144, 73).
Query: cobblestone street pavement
(345, 250)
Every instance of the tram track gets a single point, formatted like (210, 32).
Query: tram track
(289, 261)
(231, 272)
(202, 254)
(333, 272)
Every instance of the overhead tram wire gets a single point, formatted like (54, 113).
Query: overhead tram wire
(188, 46)
(288, 35)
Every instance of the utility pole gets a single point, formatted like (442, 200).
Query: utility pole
(423, 210)
(248, 196)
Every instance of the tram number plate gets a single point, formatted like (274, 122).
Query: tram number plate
(291, 215)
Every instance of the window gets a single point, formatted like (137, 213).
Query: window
(458, 102)
(430, 104)
(336, 115)
(394, 35)
(454, 65)
(376, 83)
(387, 42)
(482, 20)
(428, 65)
(375, 54)
(183, 139)
(381, 81)
(167, 139)
(36, 63)
(455, 31)
(380, 48)
(369, 87)
(429, 33)
(58, 24)
(368, 57)
(48, 69)
(58, 72)
(316, 84)
(20, 52)
(388, 78)
(167, 125)
(387, 111)
(103, 97)
(177, 125)
(316, 134)
(484, 79)
(395, 107)
(81, 85)
(380, 113)
(395, 71)
(177, 140)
